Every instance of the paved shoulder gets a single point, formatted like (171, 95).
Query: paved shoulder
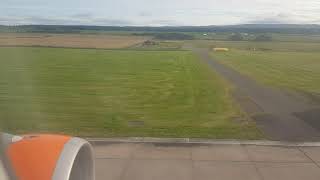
(145, 161)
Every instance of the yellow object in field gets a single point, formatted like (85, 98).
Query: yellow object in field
(221, 49)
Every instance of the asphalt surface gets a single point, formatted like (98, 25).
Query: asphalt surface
(280, 116)
(173, 161)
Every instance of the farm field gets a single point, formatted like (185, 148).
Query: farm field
(159, 45)
(106, 93)
(292, 66)
(70, 40)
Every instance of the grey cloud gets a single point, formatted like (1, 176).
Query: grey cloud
(112, 22)
(145, 14)
(164, 22)
(82, 15)
(79, 19)
(317, 21)
(274, 19)
(85, 19)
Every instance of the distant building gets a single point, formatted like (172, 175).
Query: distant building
(221, 49)
(149, 43)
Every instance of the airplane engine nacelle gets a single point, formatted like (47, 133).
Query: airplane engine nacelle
(46, 157)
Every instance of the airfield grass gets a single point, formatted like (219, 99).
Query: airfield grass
(293, 66)
(116, 93)
(271, 46)
(297, 68)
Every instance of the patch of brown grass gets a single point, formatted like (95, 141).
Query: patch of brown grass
(69, 40)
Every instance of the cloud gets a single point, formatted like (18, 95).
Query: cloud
(78, 19)
(86, 19)
(159, 13)
(83, 15)
(281, 18)
(317, 21)
(145, 14)
(163, 22)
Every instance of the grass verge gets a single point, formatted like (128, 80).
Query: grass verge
(298, 71)
(107, 93)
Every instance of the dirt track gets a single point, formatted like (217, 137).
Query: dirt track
(279, 115)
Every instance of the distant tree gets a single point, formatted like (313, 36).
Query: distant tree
(173, 36)
(236, 37)
(263, 37)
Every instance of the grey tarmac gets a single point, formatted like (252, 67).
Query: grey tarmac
(219, 160)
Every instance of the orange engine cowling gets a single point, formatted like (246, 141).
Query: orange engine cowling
(46, 157)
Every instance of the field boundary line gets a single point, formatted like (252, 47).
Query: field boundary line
(90, 48)
(192, 141)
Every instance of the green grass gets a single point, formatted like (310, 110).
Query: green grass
(298, 71)
(296, 37)
(264, 46)
(276, 37)
(289, 65)
(98, 92)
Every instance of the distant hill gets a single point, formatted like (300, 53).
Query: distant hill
(276, 26)
(246, 28)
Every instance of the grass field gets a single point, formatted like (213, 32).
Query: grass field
(289, 65)
(293, 66)
(103, 41)
(105, 93)
(262, 46)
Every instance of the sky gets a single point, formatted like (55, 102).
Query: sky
(158, 12)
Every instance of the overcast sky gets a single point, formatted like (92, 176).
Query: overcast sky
(158, 12)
